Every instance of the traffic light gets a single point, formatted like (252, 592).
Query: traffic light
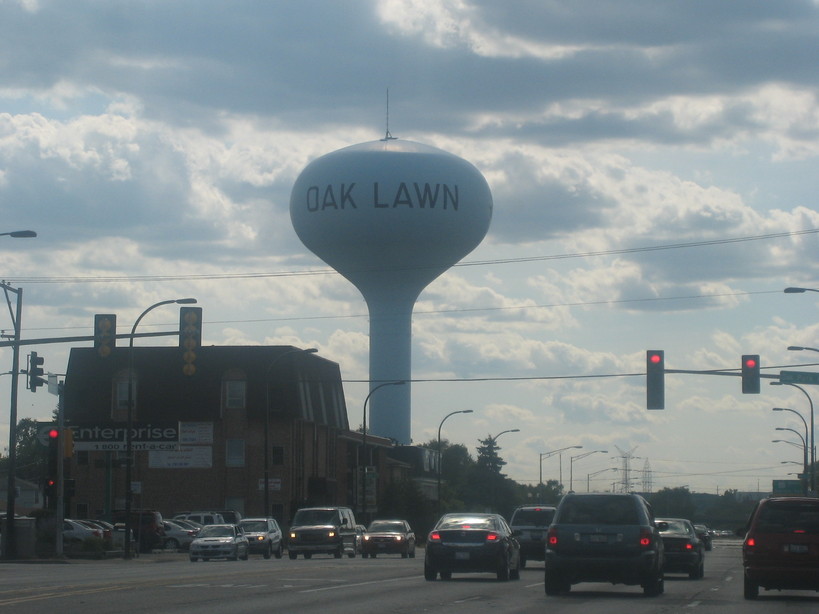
(750, 374)
(35, 372)
(105, 333)
(655, 379)
(50, 483)
(190, 336)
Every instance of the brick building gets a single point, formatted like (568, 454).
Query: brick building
(198, 441)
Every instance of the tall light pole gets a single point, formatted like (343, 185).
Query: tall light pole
(495, 438)
(266, 455)
(589, 476)
(10, 536)
(129, 425)
(799, 290)
(362, 472)
(808, 437)
(812, 424)
(552, 453)
(804, 441)
(577, 457)
(441, 456)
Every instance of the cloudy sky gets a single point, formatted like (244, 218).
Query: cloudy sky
(652, 164)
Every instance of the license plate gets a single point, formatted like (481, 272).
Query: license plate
(461, 556)
(598, 539)
(796, 548)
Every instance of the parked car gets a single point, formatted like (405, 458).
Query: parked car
(188, 524)
(106, 528)
(781, 547)
(75, 532)
(203, 518)
(531, 522)
(471, 543)
(146, 527)
(264, 536)
(604, 537)
(705, 535)
(177, 537)
(684, 551)
(322, 530)
(220, 541)
(388, 537)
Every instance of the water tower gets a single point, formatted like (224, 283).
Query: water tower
(390, 216)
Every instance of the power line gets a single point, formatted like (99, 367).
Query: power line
(329, 271)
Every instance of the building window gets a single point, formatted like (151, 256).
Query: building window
(277, 455)
(234, 390)
(234, 453)
(119, 406)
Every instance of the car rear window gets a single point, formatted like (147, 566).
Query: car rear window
(599, 510)
(788, 517)
(533, 518)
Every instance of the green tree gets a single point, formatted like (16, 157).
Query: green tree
(488, 458)
(673, 503)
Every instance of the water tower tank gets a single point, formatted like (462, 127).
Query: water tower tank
(390, 216)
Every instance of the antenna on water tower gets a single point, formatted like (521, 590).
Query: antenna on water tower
(388, 136)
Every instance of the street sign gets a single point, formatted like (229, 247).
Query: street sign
(798, 377)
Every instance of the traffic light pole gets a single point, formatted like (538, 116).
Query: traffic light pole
(9, 535)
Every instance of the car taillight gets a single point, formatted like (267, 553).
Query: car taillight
(434, 536)
(645, 538)
(750, 542)
(552, 537)
(492, 537)
(689, 546)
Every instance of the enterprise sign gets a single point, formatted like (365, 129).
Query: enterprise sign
(112, 438)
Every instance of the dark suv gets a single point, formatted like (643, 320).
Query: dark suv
(322, 530)
(531, 522)
(781, 547)
(604, 538)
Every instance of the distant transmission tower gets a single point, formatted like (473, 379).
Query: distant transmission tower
(625, 473)
(648, 485)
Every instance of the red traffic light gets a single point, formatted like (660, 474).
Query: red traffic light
(53, 433)
(750, 363)
(655, 358)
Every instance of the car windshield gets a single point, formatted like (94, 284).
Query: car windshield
(216, 531)
(533, 517)
(383, 525)
(599, 510)
(788, 517)
(254, 526)
(315, 517)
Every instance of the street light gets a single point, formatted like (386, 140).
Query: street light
(552, 453)
(363, 460)
(440, 456)
(807, 437)
(495, 438)
(267, 422)
(19, 234)
(126, 552)
(577, 457)
(589, 476)
(799, 290)
(804, 453)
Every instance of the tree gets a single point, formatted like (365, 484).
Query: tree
(488, 457)
(673, 503)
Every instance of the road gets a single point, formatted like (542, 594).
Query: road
(170, 583)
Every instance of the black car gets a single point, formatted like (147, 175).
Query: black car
(471, 543)
(684, 551)
(531, 522)
(604, 538)
(704, 533)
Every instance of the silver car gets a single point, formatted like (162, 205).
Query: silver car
(220, 541)
(264, 536)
